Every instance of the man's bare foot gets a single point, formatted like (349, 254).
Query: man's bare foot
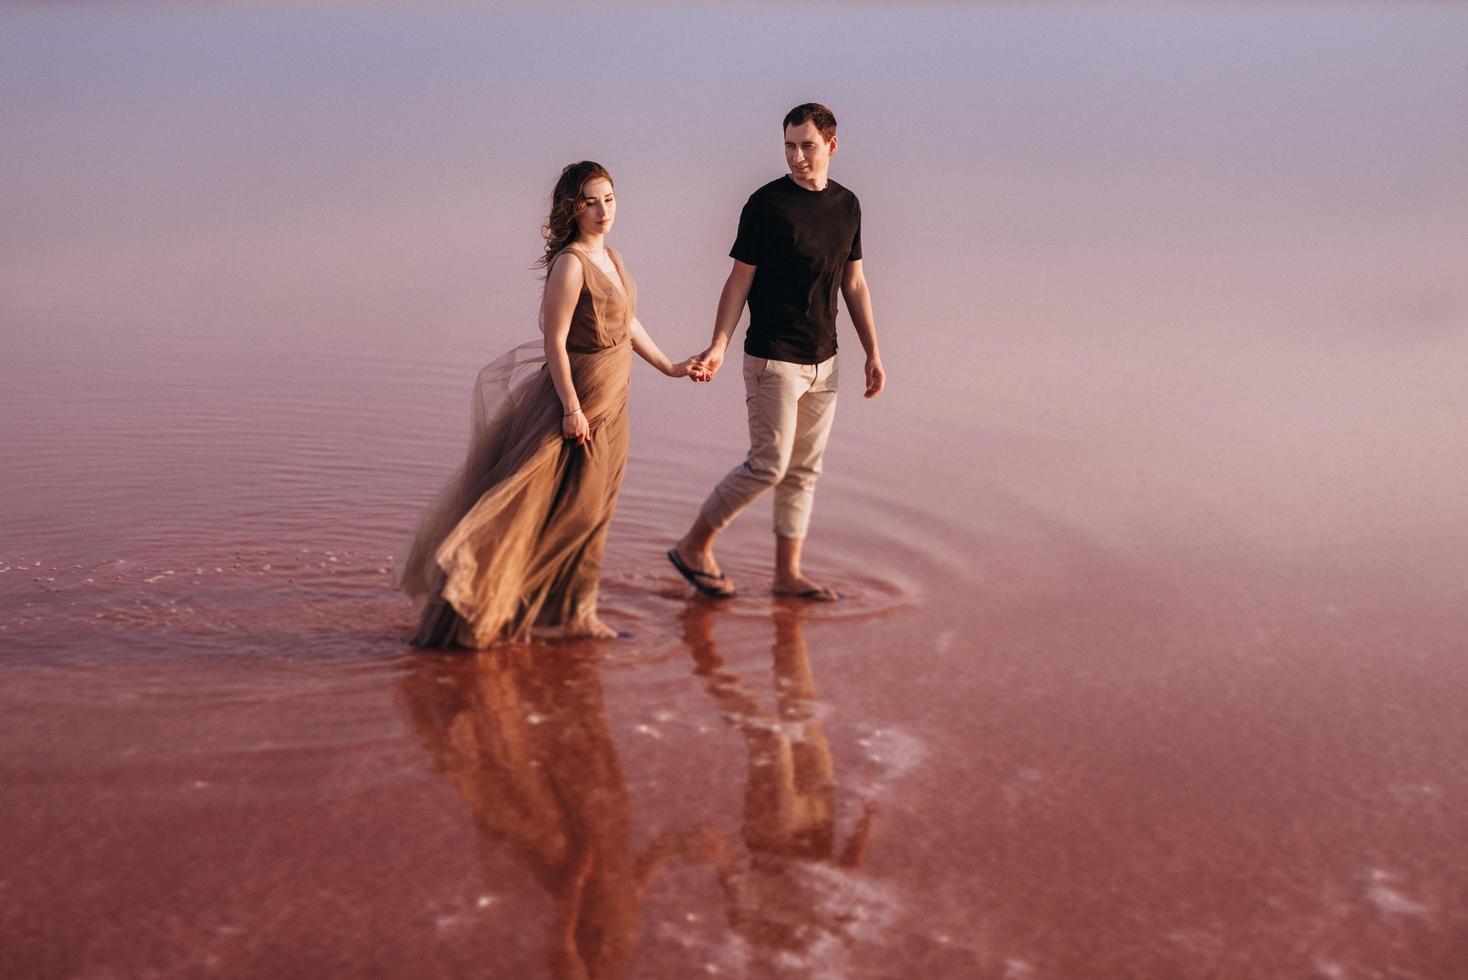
(700, 569)
(693, 556)
(800, 587)
(789, 580)
(698, 559)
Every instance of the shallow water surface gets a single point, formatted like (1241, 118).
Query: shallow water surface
(1154, 560)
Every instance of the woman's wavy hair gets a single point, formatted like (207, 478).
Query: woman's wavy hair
(560, 228)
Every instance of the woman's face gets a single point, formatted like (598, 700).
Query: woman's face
(598, 207)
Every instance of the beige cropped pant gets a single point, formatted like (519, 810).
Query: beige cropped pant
(790, 411)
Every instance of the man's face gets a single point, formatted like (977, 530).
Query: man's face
(807, 152)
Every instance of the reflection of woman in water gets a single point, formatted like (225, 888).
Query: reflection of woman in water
(515, 541)
(524, 738)
(797, 895)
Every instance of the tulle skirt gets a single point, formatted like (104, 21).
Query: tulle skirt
(515, 540)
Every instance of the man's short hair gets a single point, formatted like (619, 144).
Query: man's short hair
(812, 112)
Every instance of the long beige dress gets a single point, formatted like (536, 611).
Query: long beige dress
(515, 540)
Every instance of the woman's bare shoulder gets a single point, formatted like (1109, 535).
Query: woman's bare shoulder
(563, 271)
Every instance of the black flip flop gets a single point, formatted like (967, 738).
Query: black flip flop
(822, 594)
(693, 576)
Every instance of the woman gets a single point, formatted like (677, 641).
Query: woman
(514, 544)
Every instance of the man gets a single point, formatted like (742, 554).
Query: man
(799, 240)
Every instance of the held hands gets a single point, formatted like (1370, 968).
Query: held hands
(575, 426)
(691, 368)
(703, 367)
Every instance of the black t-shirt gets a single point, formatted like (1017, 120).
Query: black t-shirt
(798, 241)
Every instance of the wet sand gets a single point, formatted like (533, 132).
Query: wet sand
(1150, 662)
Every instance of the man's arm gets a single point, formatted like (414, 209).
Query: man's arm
(859, 305)
(731, 306)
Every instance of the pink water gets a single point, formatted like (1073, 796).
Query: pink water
(1151, 662)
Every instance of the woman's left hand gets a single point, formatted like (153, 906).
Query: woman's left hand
(693, 368)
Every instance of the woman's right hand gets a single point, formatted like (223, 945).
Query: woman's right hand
(575, 426)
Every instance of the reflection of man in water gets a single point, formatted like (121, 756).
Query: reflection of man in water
(797, 896)
(523, 736)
